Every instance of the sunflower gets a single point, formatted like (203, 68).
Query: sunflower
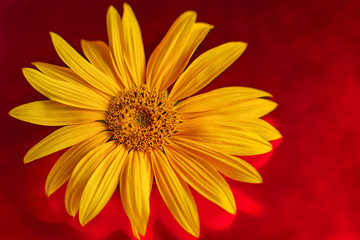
(123, 129)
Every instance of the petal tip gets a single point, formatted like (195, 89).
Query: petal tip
(206, 25)
(83, 217)
(82, 221)
(73, 213)
(38, 65)
(267, 94)
(268, 147)
(232, 210)
(126, 5)
(25, 70)
(241, 45)
(196, 232)
(27, 159)
(189, 14)
(112, 10)
(12, 112)
(256, 178)
(230, 205)
(84, 43)
(68, 210)
(194, 228)
(48, 191)
(53, 35)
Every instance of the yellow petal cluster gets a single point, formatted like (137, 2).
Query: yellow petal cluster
(207, 130)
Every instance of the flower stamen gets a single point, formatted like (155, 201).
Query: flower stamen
(142, 119)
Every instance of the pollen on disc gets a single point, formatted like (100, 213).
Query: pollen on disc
(141, 119)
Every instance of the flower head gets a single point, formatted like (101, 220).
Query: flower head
(124, 130)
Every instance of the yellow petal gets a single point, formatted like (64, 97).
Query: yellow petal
(98, 53)
(263, 128)
(135, 187)
(82, 67)
(65, 92)
(255, 125)
(176, 193)
(64, 166)
(133, 47)
(253, 108)
(172, 53)
(59, 73)
(230, 166)
(205, 68)
(218, 99)
(50, 113)
(62, 138)
(201, 176)
(197, 34)
(82, 173)
(101, 185)
(67, 75)
(135, 232)
(116, 44)
(230, 140)
(258, 126)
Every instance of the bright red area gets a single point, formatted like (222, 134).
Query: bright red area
(306, 53)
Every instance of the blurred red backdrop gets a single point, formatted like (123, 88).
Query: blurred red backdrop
(306, 53)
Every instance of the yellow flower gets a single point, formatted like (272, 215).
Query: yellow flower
(124, 129)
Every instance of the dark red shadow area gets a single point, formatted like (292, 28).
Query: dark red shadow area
(306, 53)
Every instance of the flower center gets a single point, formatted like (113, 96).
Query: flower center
(141, 118)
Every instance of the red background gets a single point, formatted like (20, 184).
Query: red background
(306, 53)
